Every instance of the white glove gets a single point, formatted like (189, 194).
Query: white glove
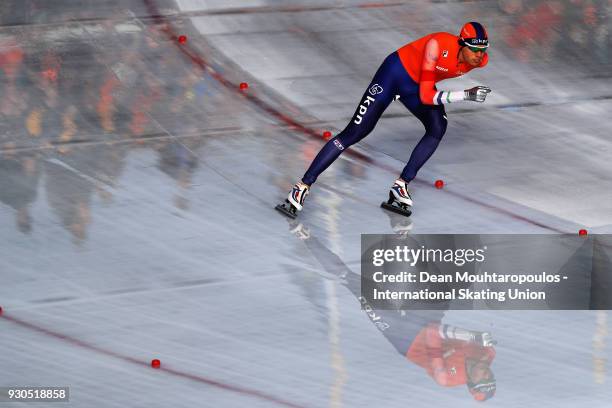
(477, 94)
(483, 339)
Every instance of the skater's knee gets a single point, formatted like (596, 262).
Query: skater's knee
(338, 144)
(346, 140)
(437, 128)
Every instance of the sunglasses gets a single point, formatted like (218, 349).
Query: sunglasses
(477, 49)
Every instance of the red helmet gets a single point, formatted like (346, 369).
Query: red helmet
(474, 35)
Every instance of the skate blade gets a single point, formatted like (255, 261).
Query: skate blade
(287, 209)
(395, 209)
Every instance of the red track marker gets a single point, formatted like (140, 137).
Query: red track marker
(155, 363)
(243, 86)
(182, 39)
(327, 135)
(582, 232)
(439, 184)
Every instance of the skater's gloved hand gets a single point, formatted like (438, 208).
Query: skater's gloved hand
(484, 339)
(477, 94)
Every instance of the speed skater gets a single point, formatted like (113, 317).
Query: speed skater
(409, 74)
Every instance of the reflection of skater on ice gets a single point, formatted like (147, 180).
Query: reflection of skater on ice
(450, 355)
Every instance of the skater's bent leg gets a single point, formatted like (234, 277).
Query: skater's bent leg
(375, 100)
(334, 147)
(435, 122)
(326, 156)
